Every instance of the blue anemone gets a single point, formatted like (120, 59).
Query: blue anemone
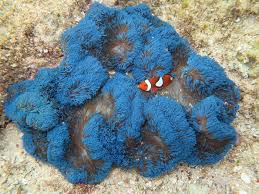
(214, 136)
(88, 114)
(167, 138)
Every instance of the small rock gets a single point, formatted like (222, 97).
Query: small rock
(174, 180)
(158, 182)
(120, 183)
(237, 20)
(242, 192)
(237, 168)
(245, 178)
(149, 184)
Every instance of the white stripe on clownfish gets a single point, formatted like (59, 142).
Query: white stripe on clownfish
(160, 82)
(148, 85)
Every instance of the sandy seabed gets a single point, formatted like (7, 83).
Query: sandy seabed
(225, 30)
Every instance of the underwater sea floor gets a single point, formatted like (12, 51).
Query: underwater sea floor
(224, 30)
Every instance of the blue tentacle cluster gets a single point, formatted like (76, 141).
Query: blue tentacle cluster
(88, 115)
(214, 134)
(167, 137)
(127, 119)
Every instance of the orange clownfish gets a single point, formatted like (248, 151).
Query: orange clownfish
(154, 83)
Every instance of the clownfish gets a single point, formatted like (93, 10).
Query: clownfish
(154, 83)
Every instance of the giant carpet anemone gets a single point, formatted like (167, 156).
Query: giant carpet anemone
(85, 120)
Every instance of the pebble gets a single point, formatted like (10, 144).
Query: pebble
(242, 192)
(149, 184)
(158, 182)
(237, 20)
(120, 183)
(24, 181)
(246, 178)
(237, 168)
(174, 180)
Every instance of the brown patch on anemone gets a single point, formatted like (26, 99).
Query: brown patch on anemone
(78, 153)
(180, 93)
(132, 146)
(202, 121)
(227, 94)
(205, 141)
(156, 144)
(195, 74)
(180, 57)
(148, 148)
(116, 47)
(131, 143)
(41, 143)
(142, 168)
(177, 89)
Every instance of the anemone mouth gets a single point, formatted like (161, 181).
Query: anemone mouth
(205, 141)
(78, 153)
(116, 49)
